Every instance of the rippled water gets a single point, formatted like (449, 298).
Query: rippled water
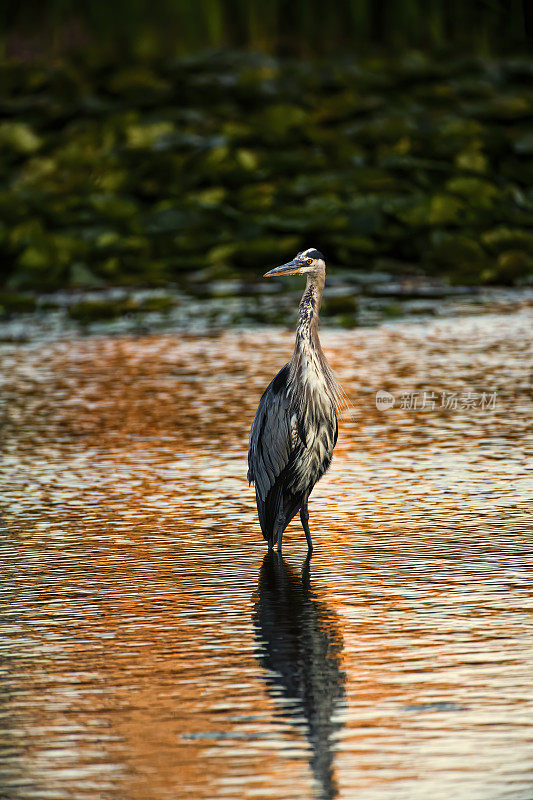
(151, 651)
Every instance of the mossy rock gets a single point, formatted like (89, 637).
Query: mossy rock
(145, 136)
(347, 321)
(392, 310)
(342, 304)
(82, 277)
(139, 84)
(507, 107)
(19, 137)
(513, 265)
(475, 190)
(472, 159)
(276, 121)
(158, 303)
(13, 303)
(444, 209)
(87, 311)
(503, 238)
(460, 257)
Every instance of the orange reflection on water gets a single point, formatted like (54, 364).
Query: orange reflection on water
(150, 650)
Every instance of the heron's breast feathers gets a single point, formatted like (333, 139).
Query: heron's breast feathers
(294, 431)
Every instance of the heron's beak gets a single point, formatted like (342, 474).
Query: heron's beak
(291, 268)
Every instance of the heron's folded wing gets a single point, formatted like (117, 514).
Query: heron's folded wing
(272, 435)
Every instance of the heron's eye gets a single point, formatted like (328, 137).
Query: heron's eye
(309, 260)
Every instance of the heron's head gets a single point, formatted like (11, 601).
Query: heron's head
(309, 261)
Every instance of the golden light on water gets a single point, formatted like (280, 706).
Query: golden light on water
(149, 651)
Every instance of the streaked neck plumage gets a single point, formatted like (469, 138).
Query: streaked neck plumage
(307, 327)
(309, 366)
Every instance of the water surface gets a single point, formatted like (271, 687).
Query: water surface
(150, 650)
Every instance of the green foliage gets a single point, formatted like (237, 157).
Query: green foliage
(18, 137)
(145, 174)
(301, 27)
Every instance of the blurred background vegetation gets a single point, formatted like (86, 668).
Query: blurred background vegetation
(303, 28)
(175, 141)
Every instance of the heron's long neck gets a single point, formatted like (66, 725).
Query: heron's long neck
(309, 366)
(308, 356)
(307, 326)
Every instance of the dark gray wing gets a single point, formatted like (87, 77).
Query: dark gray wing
(271, 435)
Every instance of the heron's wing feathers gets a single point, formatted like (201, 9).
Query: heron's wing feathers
(274, 434)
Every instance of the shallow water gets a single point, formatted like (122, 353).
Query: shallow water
(151, 651)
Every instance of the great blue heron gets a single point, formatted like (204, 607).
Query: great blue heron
(295, 426)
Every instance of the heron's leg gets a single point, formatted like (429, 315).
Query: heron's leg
(304, 516)
(280, 533)
(270, 545)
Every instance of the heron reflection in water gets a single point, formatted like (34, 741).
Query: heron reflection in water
(295, 427)
(300, 647)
